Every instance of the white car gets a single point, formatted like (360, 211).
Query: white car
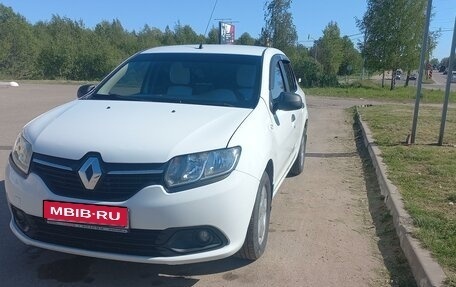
(173, 158)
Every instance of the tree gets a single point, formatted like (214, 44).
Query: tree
(309, 70)
(351, 58)
(58, 55)
(18, 45)
(434, 62)
(279, 31)
(168, 37)
(185, 35)
(246, 39)
(330, 52)
(392, 34)
(113, 33)
(445, 62)
(213, 36)
(149, 37)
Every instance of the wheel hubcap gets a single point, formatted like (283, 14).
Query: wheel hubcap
(262, 215)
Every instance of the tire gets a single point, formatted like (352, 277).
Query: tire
(258, 230)
(298, 165)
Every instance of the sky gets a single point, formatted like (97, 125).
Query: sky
(309, 16)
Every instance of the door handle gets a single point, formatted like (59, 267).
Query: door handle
(293, 118)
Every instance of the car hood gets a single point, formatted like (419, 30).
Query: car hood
(133, 132)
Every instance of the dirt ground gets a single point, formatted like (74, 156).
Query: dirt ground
(328, 225)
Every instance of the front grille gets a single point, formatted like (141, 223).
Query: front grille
(118, 182)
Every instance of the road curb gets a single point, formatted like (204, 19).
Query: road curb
(425, 269)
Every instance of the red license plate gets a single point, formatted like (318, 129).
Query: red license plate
(112, 216)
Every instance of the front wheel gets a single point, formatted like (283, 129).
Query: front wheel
(257, 232)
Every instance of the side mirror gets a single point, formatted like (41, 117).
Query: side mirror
(84, 90)
(288, 102)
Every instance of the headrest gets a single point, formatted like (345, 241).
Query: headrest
(178, 74)
(245, 76)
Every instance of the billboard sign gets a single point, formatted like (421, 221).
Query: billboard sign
(226, 33)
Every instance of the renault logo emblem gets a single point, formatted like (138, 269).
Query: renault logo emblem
(90, 173)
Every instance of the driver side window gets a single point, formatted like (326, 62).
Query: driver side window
(277, 83)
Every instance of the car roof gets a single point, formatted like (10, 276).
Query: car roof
(210, 49)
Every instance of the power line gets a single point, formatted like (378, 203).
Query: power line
(353, 35)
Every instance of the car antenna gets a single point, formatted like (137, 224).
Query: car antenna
(207, 26)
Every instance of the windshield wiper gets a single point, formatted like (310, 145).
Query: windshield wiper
(113, 97)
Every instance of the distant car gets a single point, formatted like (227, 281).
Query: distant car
(453, 78)
(445, 72)
(442, 69)
(174, 158)
(412, 77)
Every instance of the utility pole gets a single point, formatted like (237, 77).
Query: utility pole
(448, 83)
(420, 75)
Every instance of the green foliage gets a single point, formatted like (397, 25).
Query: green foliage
(393, 33)
(279, 31)
(351, 59)
(368, 89)
(245, 39)
(434, 62)
(18, 45)
(185, 35)
(309, 70)
(66, 49)
(446, 62)
(149, 37)
(213, 36)
(423, 173)
(330, 50)
(336, 55)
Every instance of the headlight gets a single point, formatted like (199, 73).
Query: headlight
(196, 167)
(22, 153)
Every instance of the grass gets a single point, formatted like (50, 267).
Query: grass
(425, 174)
(368, 89)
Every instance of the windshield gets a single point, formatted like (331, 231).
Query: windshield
(205, 79)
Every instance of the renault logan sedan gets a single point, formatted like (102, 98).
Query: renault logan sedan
(173, 158)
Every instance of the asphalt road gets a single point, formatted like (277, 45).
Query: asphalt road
(323, 229)
(439, 82)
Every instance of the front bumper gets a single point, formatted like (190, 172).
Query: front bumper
(222, 207)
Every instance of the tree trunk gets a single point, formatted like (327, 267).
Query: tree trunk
(383, 79)
(407, 79)
(393, 79)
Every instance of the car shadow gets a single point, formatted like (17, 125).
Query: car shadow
(74, 269)
(4, 213)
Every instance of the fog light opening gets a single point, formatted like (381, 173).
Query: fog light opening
(192, 240)
(21, 221)
(204, 237)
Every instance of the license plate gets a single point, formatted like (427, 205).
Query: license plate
(91, 214)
